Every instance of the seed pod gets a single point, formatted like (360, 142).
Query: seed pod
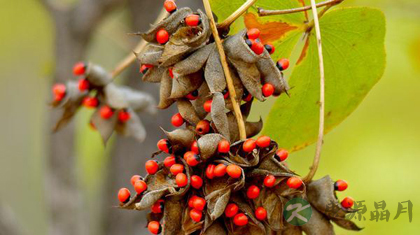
(172, 216)
(176, 48)
(97, 76)
(237, 49)
(114, 96)
(213, 73)
(203, 34)
(253, 128)
(154, 74)
(165, 91)
(104, 126)
(218, 115)
(139, 101)
(216, 228)
(239, 88)
(268, 199)
(318, 225)
(254, 226)
(271, 74)
(204, 95)
(187, 111)
(250, 77)
(132, 128)
(208, 145)
(170, 24)
(180, 138)
(151, 55)
(183, 85)
(194, 62)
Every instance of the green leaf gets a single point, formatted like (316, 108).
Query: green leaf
(354, 57)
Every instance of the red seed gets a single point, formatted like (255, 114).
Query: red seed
(249, 145)
(176, 169)
(194, 147)
(261, 213)
(283, 64)
(347, 202)
(162, 36)
(263, 141)
(225, 93)
(134, 179)
(207, 105)
(269, 181)
(152, 167)
(196, 181)
(59, 91)
(171, 72)
(257, 48)
(140, 186)
(193, 95)
(231, 210)
(106, 112)
(124, 116)
(181, 180)
(191, 201)
(340, 185)
(282, 154)
(90, 102)
(294, 182)
(196, 215)
(84, 85)
(79, 69)
(253, 33)
(163, 145)
(170, 6)
(145, 67)
(199, 203)
(246, 96)
(253, 192)
(124, 195)
(268, 90)
(210, 171)
(270, 48)
(203, 127)
(234, 171)
(169, 161)
(220, 170)
(154, 227)
(193, 20)
(192, 158)
(240, 219)
(177, 120)
(223, 146)
(157, 207)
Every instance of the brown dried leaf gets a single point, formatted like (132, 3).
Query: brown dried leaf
(213, 73)
(187, 111)
(218, 115)
(183, 85)
(165, 91)
(194, 62)
(250, 77)
(271, 74)
(237, 49)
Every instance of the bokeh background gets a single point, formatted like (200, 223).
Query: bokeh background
(376, 149)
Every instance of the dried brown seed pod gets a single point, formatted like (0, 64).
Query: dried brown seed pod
(237, 49)
(218, 115)
(203, 95)
(213, 73)
(187, 111)
(208, 145)
(151, 55)
(180, 139)
(271, 74)
(183, 85)
(132, 128)
(105, 127)
(250, 77)
(165, 91)
(194, 62)
(97, 76)
(154, 74)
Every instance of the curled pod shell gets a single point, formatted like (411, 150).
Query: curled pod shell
(274, 207)
(172, 216)
(208, 145)
(139, 101)
(253, 128)
(180, 139)
(237, 49)
(271, 74)
(176, 49)
(187, 111)
(183, 85)
(97, 76)
(250, 77)
(318, 224)
(239, 89)
(165, 91)
(114, 96)
(194, 62)
(218, 115)
(216, 228)
(154, 74)
(105, 127)
(132, 128)
(151, 55)
(214, 74)
(204, 95)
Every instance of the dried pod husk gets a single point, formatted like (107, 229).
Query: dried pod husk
(187, 111)
(239, 89)
(241, 158)
(154, 74)
(233, 127)
(274, 206)
(272, 164)
(204, 95)
(202, 32)
(194, 62)
(188, 225)
(154, 217)
(132, 128)
(104, 126)
(290, 230)
(217, 191)
(183, 85)
(250, 77)
(114, 96)
(139, 101)
(253, 227)
(176, 49)
(253, 128)
(97, 76)
(283, 190)
(321, 195)
(216, 228)
(271, 74)
(208, 145)
(180, 139)
(151, 55)
(70, 104)
(218, 115)
(237, 49)
(318, 224)
(170, 24)
(165, 91)
(172, 217)
(246, 109)
(214, 74)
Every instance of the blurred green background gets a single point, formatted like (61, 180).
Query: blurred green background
(377, 149)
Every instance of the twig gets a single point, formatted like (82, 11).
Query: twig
(241, 10)
(263, 12)
(229, 81)
(317, 157)
(129, 59)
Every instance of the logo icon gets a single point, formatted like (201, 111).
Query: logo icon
(297, 212)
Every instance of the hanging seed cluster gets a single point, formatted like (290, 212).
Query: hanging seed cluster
(210, 181)
(115, 106)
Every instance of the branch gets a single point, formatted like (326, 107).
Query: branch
(263, 12)
(241, 10)
(314, 167)
(129, 59)
(229, 81)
